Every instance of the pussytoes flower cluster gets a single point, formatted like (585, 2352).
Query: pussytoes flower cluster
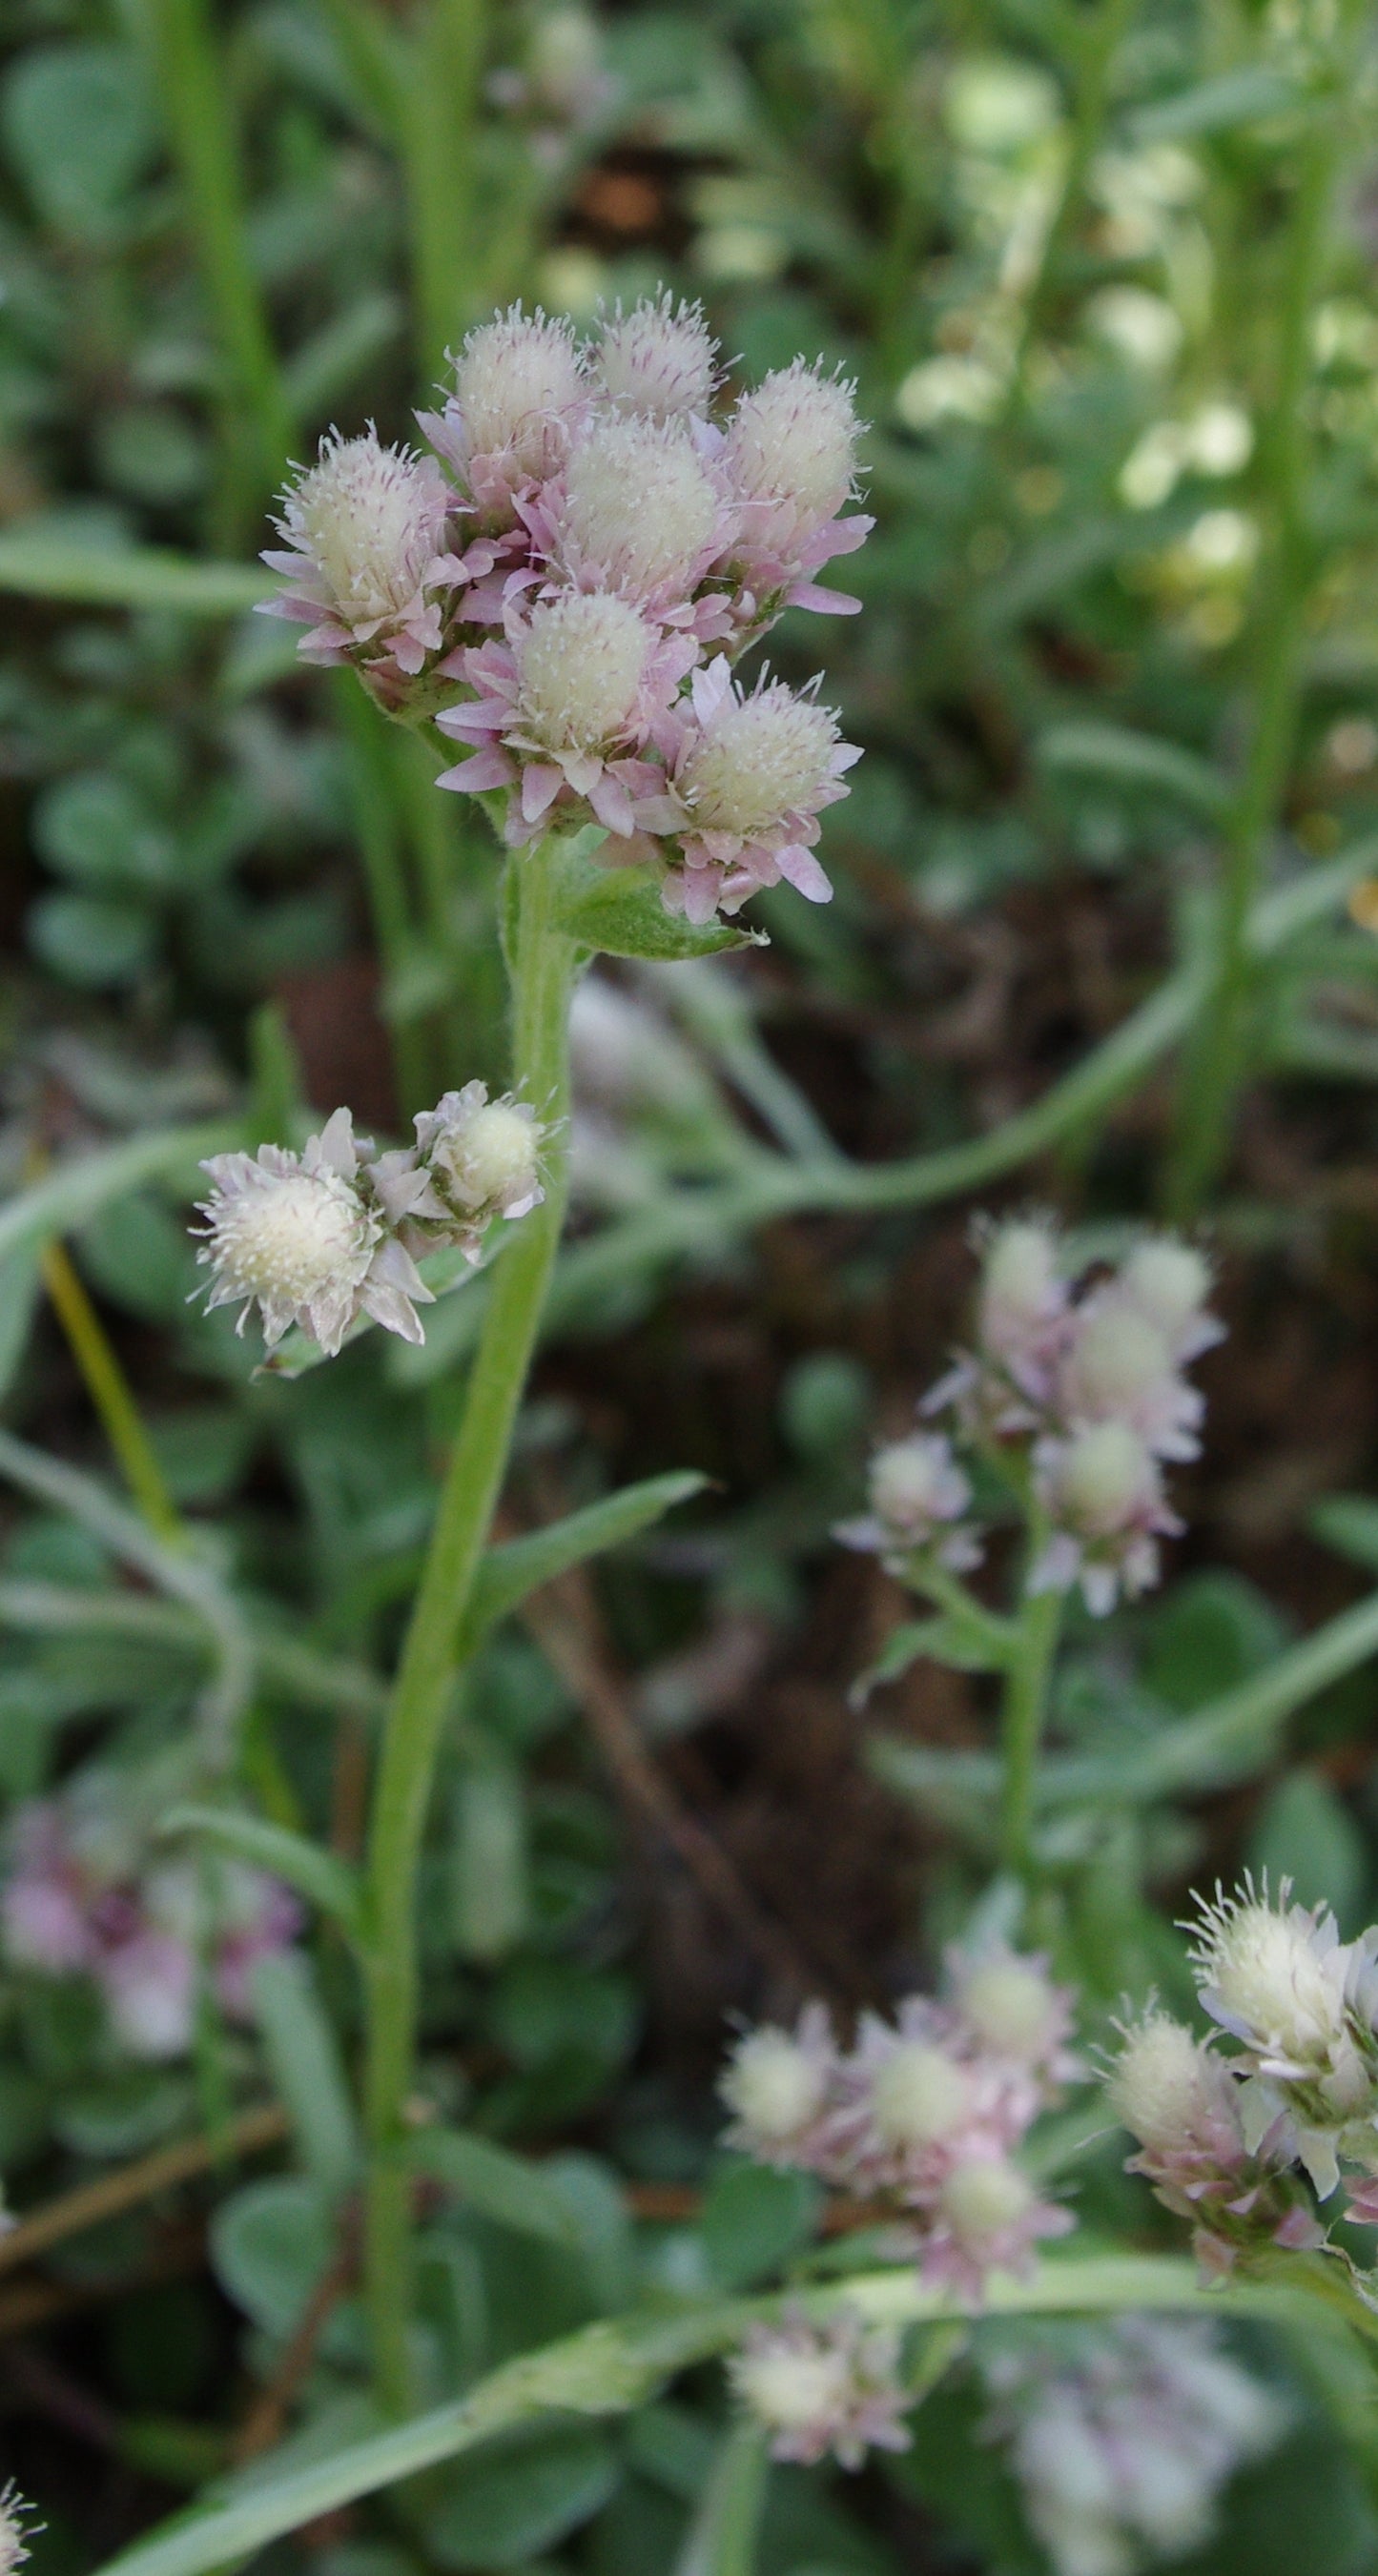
(319, 1238)
(17, 2527)
(1228, 2127)
(823, 2390)
(83, 1896)
(1075, 1388)
(1123, 2445)
(568, 589)
(924, 2113)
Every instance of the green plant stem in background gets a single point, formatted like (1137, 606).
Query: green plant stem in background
(1022, 1716)
(1216, 1063)
(256, 426)
(439, 112)
(1095, 41)
(618, 2364)
(108, 1388)
(542, 966)
(380, 847)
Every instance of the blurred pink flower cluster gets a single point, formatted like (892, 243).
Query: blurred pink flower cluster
(1075, 1392)
(83, 1896)
(926, 2112)
(819, 2390)
(569, 607)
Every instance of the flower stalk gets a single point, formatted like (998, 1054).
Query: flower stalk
(542, 966)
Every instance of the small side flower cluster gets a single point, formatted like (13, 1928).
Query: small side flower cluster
(820, 2390)
(1226, 2138)
(1122, 2452)
(571, 604)
(1076, 1393)
(81, 1898)
(925, 2113)
(17, 2528)
(321, 1237)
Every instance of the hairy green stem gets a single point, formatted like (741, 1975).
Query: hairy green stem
(542, 971)
(1021, 1727)
(1216, 1065)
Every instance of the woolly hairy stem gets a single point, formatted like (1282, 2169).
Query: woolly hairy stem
(542, 969)
(1217, 1064)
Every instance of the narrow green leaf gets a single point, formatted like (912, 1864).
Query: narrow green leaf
(1134, 760)
(723, 2536)
(521, 1565)
(506, 2188)
(1349, 1524)
(1242, 97)
(968, 1645)
(319, 1876)
(305, 2063)
(74, 1191)
(128, 577)
(18, 1304)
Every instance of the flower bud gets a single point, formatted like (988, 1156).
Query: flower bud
(1118, 1356)
(1168, 1281)
(986, 2200)
(1011, 2006)
(919, 2095)
(1101, 1477)
(1165, 2086)
(371, 518)
(1022, 1300)
(775, 2085)
(792, 444)
(638, 507)
(1274, 1976)
(916, 1482)
(492, 1157)
(581, 661)
(660, 359)
(760, 759)
(818, 2389)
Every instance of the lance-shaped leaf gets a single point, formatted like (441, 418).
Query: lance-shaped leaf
(618, 910)
(320, 1876)
(509, 2189)
(520, 1565)
(305, 2062)
(51, 567)
(1130, 759)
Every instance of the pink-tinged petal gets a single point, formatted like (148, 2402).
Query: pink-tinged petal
(298, 610)
(658, 814)
(709, 688)
(480, 772)
(824, 603)
(471, 723)
(804, 872)
(408, 655)
(540, 787)
(583, 769)
(609, 800)
(700, 894)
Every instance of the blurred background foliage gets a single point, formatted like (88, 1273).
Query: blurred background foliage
(1057, 243)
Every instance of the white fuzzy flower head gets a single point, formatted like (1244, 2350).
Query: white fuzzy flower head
(826, 2388)
(638, 505)
(774, 2085)
(1010, 2005)
(913, 1483)
(919, 2096)
(1168, 1281)
(1118, 1357)
(984, 2200)
(296, 1242)
(371, 519)
(1101, 1478)
(581, 660)
(659, 359)
(1022, 1297)
(793, 443)
(16, 2529)
(788, 2388)
(1164, 2086)
(517, 379)
(1274, 1976)
(760, 758)
(491, 1158)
